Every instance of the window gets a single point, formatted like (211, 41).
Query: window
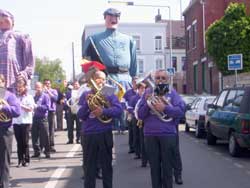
(229, 100)
(158, 43)
(183, 63)
(158, 64)
(174, 62)
(140, 66)
(194, 35)
(195, 78)
(204, 77)
(137, 41)
(188, 36)
(237, 100)
(221, 98)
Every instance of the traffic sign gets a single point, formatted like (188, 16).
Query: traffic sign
(171, 71)
(234, 62)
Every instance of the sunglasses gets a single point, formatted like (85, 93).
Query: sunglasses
(160, 78)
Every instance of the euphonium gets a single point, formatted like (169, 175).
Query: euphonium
(4, 117)
(97, 99)
(159, 96)
(121, 89)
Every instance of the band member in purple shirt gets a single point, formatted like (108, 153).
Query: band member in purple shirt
(52, 93)
(16, 56)
(127, 97)
(9, 108)
(40, 127)
(161, 117)
(98, 138)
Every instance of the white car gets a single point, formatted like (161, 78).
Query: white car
(195, 117)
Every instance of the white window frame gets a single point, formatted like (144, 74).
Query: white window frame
(140, 65)
(159, 64)
(137, 39)
(158, 41)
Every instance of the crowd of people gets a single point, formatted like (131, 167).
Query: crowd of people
(151, 113)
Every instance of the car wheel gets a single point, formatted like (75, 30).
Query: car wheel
(186, 127)
(233, 146)
(198, 131)
(211, 139)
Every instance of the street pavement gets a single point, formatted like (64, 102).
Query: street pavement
(203, 166)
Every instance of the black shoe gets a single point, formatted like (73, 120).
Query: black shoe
(78, 141)
(47, 156)
(137, 157)
(52, 150)
(98, 175)
(69, 142)
(36, 155)
(131, 151)
(178, 180)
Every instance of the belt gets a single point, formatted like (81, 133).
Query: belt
(115, 70)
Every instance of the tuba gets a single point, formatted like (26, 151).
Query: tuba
(3, 117)
(98, 99)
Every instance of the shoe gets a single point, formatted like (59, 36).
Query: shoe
(178, 180)
(137, 157)
(98, 175)
(18, 165)
(69, 142)
(52, 150)
(131, 151)
(78, 141)
(47, 156)
(36, 155)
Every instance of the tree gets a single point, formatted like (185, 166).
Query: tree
(47, 69)
(230, 35)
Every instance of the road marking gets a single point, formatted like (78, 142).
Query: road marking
(55, 177)
(238, 165)
(217, 153)
(59, 171)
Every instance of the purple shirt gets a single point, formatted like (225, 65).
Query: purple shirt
(92, 125)
(13, 109)
(53, 99)
(43, 102)
(16, 56)
(153, 126)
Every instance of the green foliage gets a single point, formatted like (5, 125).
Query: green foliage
(52, 70)
(230, 35)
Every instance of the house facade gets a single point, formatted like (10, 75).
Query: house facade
(202, 74)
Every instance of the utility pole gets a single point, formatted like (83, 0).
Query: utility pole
(73, 60)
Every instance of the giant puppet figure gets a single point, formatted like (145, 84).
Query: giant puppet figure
(16, 57)
(117, 51)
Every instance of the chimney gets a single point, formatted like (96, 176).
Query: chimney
(158, 17)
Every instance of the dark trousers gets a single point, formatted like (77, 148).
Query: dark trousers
(52, 122)
(136, 136)
(144, 158)
(178, 161)
(40, 136)
(71, 120)
(130, 136)
(6, 136)
(161, 154)
(98, 147)
(22, 138)
(59, 117)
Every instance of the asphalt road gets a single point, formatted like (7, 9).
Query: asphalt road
(203, 166)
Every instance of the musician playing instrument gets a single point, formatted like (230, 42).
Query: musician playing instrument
(98, 138)
(161, 134)
(9, 108)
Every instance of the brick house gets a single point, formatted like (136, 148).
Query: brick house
(202, 74)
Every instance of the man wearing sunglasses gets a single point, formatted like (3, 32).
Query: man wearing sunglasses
(161, 134)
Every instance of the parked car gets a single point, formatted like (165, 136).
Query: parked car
(188, 99)
(228, 118)
(195, 117)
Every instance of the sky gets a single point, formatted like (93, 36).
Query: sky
(54, 25)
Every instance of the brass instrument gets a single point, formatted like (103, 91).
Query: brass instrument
(3, 117)
(121, 89)
(98, 99)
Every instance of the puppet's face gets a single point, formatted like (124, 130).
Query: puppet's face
(5, 23)
(111, 22)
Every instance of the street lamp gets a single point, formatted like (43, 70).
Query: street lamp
(130, 3)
